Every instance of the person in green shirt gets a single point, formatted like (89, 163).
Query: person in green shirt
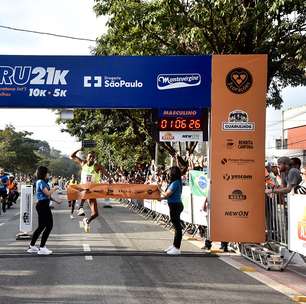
(91, 173)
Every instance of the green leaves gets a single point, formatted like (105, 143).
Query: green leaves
(181, 27)
(19, 153)
(123, 136)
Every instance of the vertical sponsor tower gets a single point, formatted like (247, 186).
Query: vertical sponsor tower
(239, 86)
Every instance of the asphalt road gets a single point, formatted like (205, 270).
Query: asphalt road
(120, 261)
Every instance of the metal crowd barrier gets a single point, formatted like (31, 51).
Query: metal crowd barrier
(159, 218)
(270, 255)
(267, 255)
(277, 219)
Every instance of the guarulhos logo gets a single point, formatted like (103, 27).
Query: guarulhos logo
(177, 81)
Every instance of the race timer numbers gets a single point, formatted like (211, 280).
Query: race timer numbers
(180, 124)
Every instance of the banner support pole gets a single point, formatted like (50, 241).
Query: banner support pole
(26, 213)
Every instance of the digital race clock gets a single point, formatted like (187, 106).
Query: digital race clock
(180, 124)
(182, 120)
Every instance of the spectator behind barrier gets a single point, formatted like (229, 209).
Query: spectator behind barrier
(13, 191)
(290, 176)
(3, 188)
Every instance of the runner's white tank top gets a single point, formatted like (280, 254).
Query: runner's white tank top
(89, 175)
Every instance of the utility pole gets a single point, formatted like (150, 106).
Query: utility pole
(283, 129)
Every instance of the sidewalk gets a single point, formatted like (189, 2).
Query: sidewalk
(291, 281)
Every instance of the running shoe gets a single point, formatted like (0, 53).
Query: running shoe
(81, 212)
(32, 249)
(169, 248)
(86, 225)
(174, 251)
(71, 216)
(44, 251)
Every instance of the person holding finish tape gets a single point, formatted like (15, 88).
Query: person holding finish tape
(173, 194)
(45, 218)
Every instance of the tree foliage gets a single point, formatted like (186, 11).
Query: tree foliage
(123, 136)
(21, 154)
(17, 151)
(190, 27)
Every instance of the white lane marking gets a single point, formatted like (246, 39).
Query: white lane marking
(81, 224)
(86, 248)
(287, 291)
(2, 224)
(88, 258)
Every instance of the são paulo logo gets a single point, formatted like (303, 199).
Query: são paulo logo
(177, 81)
(238, 120)
(112, 82)
(239, 80)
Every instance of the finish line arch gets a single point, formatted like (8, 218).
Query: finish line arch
(232, 86)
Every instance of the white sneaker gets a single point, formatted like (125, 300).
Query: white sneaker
(44, 251)
(71, 216)
(32, 249)
(86, 225)
(81, 212)
(169, 248)
(174, 251)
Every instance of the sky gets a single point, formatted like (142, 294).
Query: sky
(67, 17)
(75, 18)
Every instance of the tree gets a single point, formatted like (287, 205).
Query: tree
(124, 137)
(190, 27)
(63, 166)
(22, 154)
(17, 151)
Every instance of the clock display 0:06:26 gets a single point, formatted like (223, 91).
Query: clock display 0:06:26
(180, 124)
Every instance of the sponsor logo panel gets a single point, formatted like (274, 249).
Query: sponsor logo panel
(243, 144)
(238, 120)
(111, 82)
(239, 80)
(237, 195)
(181, 136)
(177, 81)
(237, 161)
(243, 214)
(237, 177)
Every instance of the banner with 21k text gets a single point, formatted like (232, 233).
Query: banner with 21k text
(237, 211)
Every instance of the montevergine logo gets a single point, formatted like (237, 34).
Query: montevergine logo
(177, 81)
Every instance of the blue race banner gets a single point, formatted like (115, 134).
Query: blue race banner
(105, 81)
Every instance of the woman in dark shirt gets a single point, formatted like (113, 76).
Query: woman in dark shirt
(173, 195)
